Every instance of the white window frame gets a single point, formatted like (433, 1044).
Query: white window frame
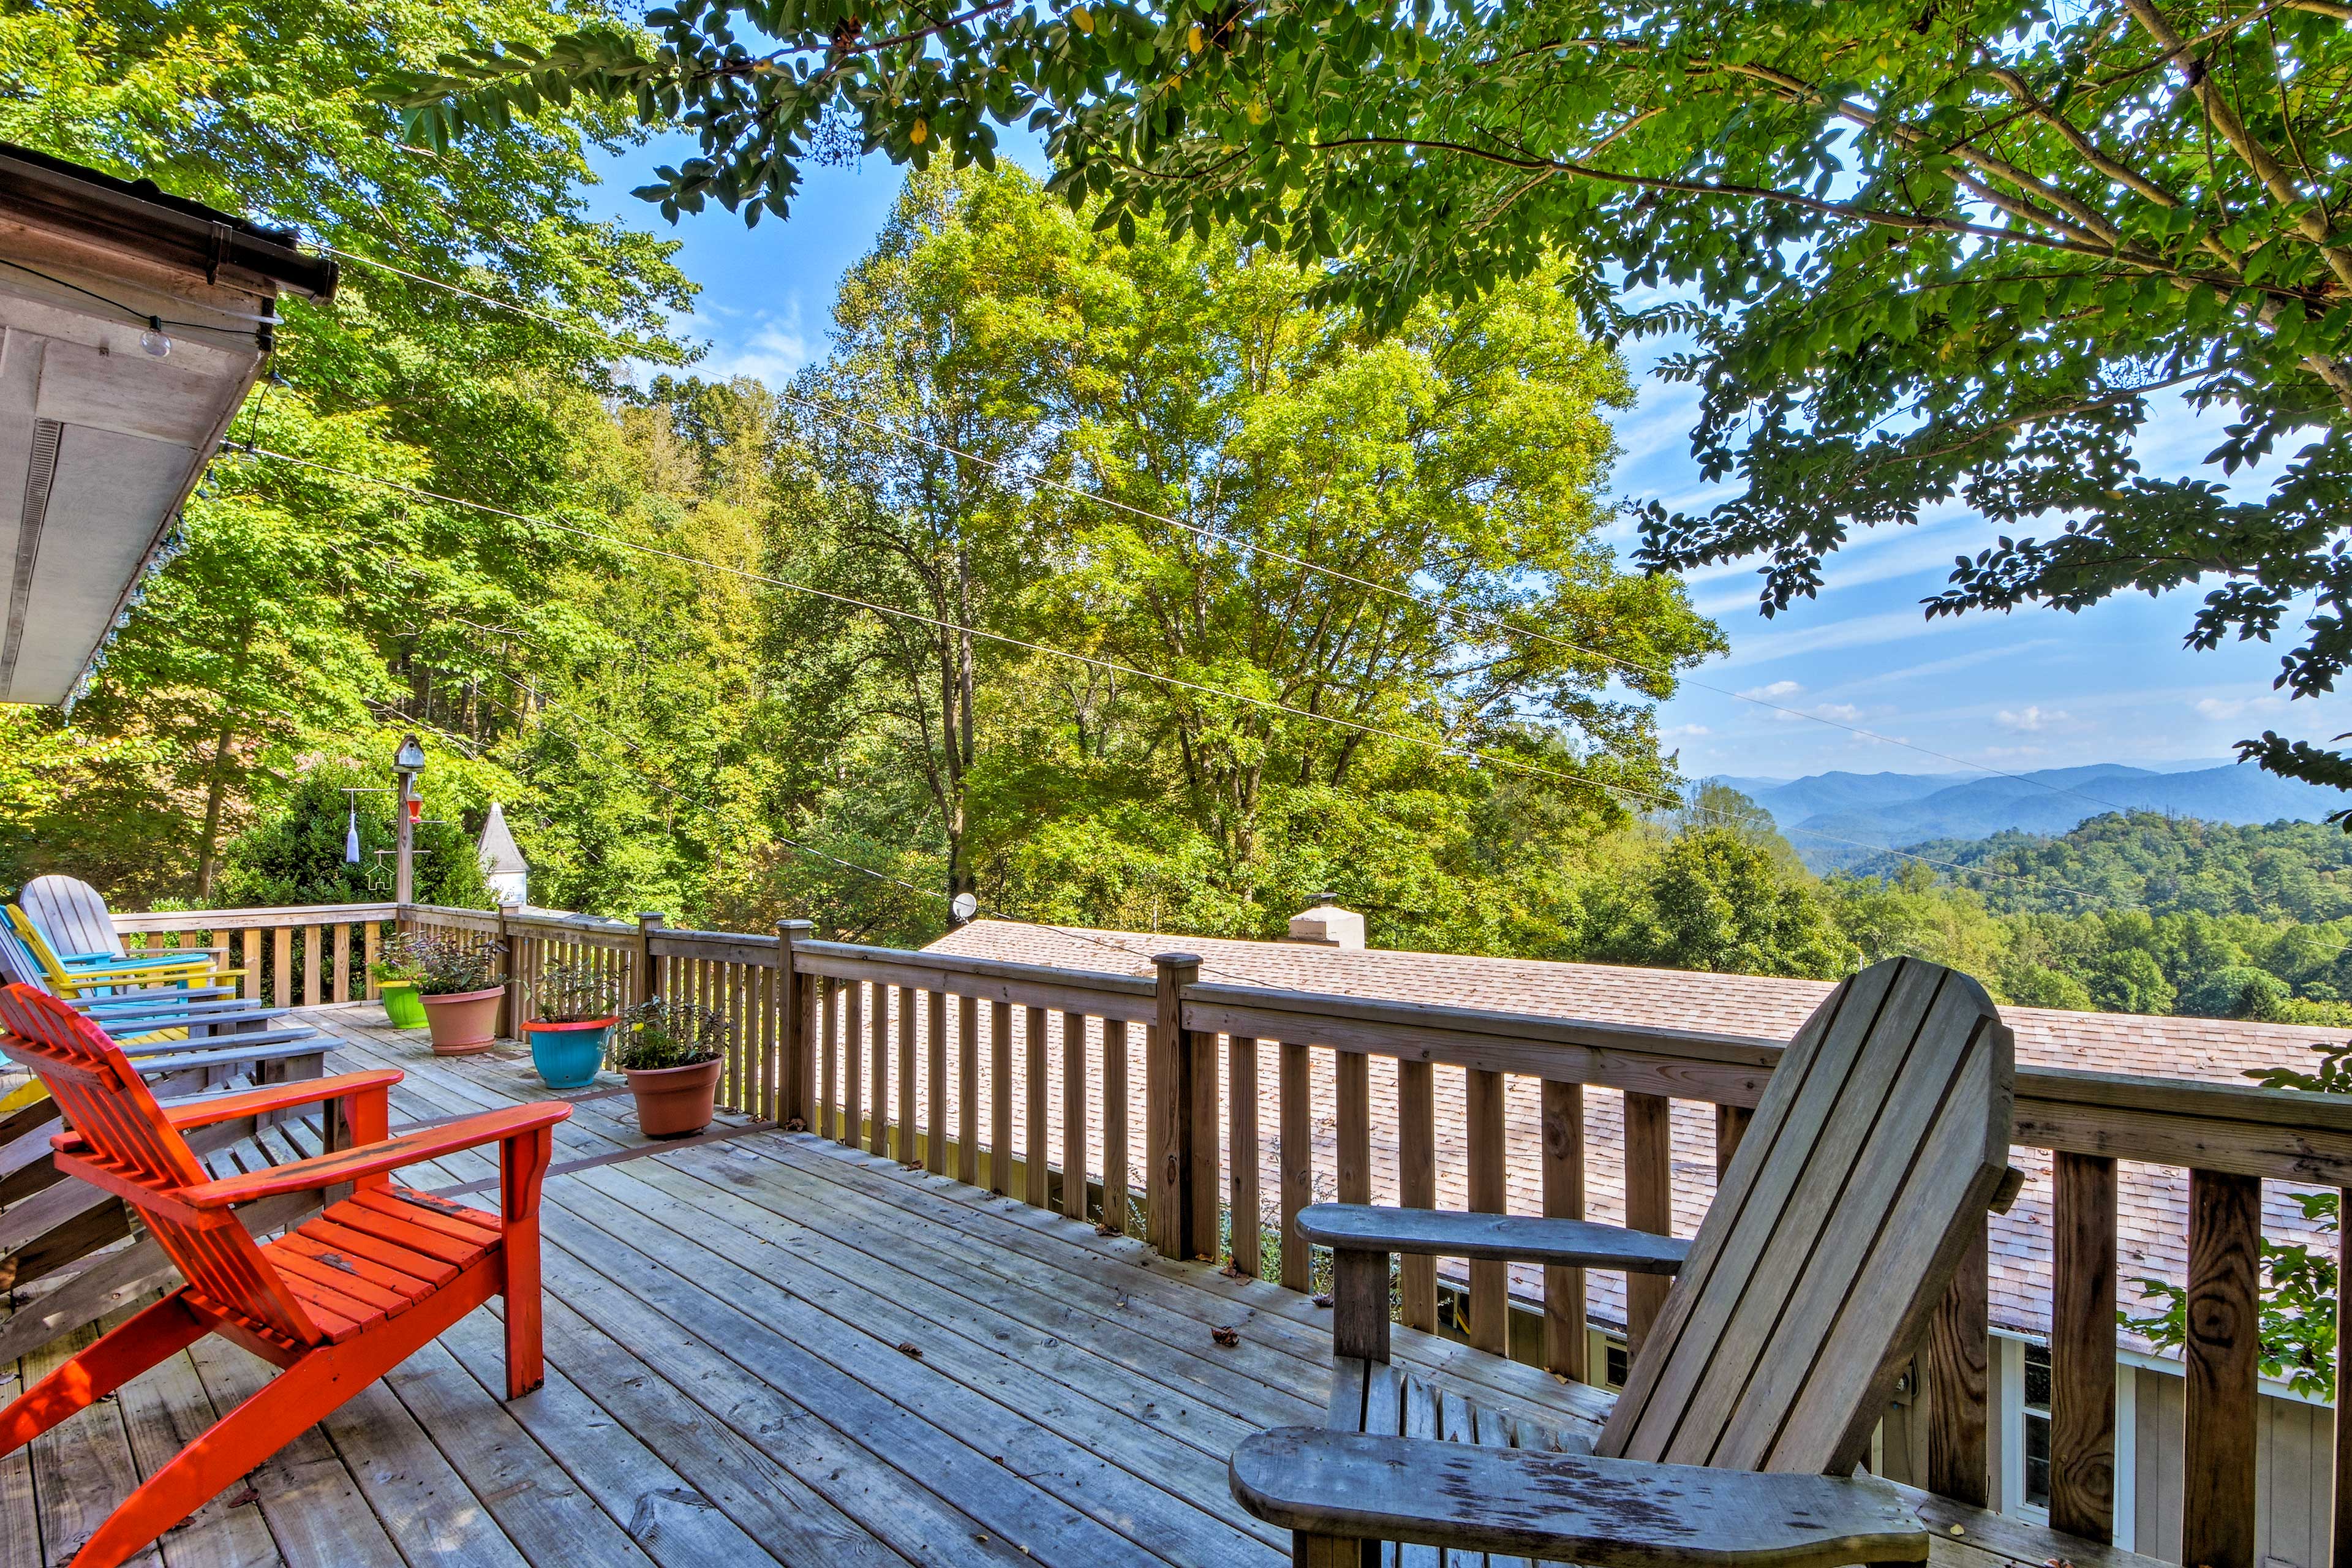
(2009, 1354)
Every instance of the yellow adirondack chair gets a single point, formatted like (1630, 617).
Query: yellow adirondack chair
(112, 975)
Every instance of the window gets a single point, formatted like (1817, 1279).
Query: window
(2036, 1434)
(1615, 1366)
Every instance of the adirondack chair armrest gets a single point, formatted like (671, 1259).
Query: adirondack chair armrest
(511, 1123)
(1514, 1238)
(1570, 1507)
(218, 1108)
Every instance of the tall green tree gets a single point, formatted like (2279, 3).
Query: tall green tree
(309, 607)
(1923, 253)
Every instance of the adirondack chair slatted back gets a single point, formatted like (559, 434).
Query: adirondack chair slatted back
(1880, 1141)
(105, 1101)
(71, 915)
(17, 964)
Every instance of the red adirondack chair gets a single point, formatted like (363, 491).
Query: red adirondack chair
(336, 1303)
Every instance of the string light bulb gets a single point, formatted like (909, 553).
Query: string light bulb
(153, 340)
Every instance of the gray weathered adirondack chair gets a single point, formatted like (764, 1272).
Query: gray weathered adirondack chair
(1882, 1138)
(73, 916)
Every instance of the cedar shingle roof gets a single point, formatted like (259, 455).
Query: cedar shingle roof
(2152, 1203)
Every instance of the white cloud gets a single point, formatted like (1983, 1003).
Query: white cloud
(2032, 719)
(2012, 751)
(1844, 712)
(773, 353)
(1684, 731)
(1778, 692)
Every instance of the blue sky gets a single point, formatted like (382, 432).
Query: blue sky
(2034, 689)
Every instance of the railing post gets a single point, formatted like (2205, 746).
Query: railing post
(1959, 1351)
(796, 1015)
(2082, 1348)
(2222, 1362)
(644, 979)
(1168, 1099)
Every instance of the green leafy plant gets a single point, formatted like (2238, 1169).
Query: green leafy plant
(2298, 1313)
(440, 963)
(574, 991)
(668, 1033)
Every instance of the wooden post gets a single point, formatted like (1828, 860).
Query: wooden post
(2222, 1359)
(1240, 1139)
(1296, 1111)
(853, 1103)
(934, 1144)
(1648, 1206)
(1166, 1112)
(878, 1035)
(645, 976)
(1074, 1115)
(403, 842)
(1960, 1346)
(1730, 1126)
(999, 1099)
(1490, 1279)
(510, 1006)
(795, 1002)
(1115, 1115)
(1566, 1345)
(1033, 1158)
(2339, 1553)
(907, 1075)
(967, 1091)
(1352, 1099)
(2083, 1348)
(1417, 1184)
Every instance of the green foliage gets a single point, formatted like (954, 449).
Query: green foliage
(1920, 255)
(2298, 1311)
(1713, 898)
(666, 1032)
(293, 853)
(440, 963)
(574, 991)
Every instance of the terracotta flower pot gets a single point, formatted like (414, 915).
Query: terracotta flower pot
(464, 1023)
(676, 1103)
(568, 1054)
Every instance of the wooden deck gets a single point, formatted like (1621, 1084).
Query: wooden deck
(764, 1348)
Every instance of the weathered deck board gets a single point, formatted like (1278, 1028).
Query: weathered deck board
(725, 1386)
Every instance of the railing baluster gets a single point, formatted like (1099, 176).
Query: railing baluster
(1298, 1156)
(372, 943)
(1730, 1126)
(1353, 1097)
(2223, 1359)
(1417, 1183)
(1649, 1204)
(249, 960)
(1038, 1186)
(906, 1080)
(1566, 1341)
(1240, 1142)
(314, 991)
(853, 1070)
(877, 1123)
(1490, 1282)
(828, 1100)
(2083, 1348)
(282, 979)
(999, 1099)
(1959, 1347)
(342, 992)
(935, 1022)
(967, 1091)
(1074, 1115)
(1116, 1109)
(2339, 1547)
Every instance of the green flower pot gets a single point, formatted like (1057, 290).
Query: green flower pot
(401, 1005)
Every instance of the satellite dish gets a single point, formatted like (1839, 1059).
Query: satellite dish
(962, 907)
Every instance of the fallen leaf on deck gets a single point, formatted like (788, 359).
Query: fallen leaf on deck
(912, 1349)
(1228, 1337)
(1324, 1299)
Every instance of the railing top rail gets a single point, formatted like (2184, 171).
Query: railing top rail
(248, 919)
(569, 925)
(1098, 994)
(726, 947)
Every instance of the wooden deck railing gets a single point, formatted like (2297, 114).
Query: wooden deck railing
(300, 955)
(950, 1061)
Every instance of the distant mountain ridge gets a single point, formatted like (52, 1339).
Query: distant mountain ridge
(1890, 811)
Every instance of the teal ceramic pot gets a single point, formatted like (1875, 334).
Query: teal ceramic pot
(568, 1054)
(401, 1005)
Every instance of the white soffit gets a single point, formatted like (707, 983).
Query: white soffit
(101, 439)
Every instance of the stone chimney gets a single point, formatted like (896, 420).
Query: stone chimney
(1327, 925)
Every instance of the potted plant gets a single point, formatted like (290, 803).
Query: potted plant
(671, 1052)
(460, 986)
(575, 1004)
(396, 972)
